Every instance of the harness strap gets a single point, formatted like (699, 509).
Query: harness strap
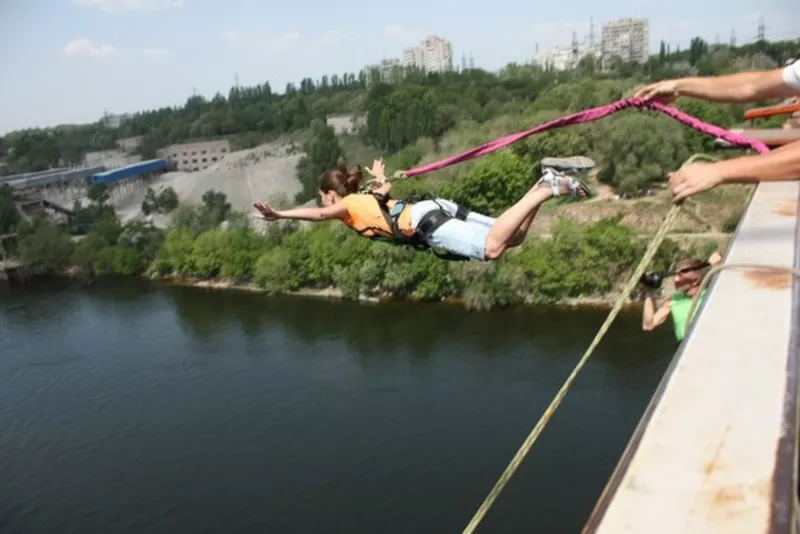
(429, 223)
(432, 221)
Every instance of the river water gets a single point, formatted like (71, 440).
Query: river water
(130, 407)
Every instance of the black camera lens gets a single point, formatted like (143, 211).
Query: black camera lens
(652, 280)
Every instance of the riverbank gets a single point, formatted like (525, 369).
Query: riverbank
(333, 293)
(579, 264)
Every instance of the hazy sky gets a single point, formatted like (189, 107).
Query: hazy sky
(69, 60)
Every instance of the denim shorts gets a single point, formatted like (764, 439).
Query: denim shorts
(467, 238)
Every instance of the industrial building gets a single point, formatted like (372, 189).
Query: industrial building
(628, 39)
(189, 157)
(134, 170)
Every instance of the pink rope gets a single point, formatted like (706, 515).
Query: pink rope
(590, 115)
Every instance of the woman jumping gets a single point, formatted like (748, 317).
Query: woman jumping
(438, 223)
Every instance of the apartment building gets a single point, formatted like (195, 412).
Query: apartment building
(433, 54)
(189, 157)
(413, 57)
(627, 38)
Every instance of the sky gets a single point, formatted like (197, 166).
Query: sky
(69, 61)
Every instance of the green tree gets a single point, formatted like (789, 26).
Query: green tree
(8, 212)
(44, 246)
(215, 207)
(322, 150)
(492, 184)
(150, 203)
(98, 193)
(167, 200)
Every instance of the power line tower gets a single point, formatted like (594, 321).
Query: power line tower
(716, 40)
(463, 61)
(591, 32)
(733, 39)
(574, 49)
(762, 28)
(471, 61)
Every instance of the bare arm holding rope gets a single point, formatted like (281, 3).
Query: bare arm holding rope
(740, 87)
(778, 165)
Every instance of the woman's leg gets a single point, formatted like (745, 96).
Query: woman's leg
(522, 231)
(511, 226)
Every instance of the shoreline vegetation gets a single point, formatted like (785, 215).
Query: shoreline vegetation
(575, 254)
(333, 293)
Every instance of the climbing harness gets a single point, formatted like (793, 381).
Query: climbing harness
(428, 224)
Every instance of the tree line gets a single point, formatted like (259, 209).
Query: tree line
(416, 105)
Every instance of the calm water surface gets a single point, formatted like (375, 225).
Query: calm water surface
(131, 407)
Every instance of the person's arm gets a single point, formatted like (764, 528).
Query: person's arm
(336, 211)
(739, 87)
(384, 189)
(651, 317)
(777, 165)
(781, 164)
(266, 212)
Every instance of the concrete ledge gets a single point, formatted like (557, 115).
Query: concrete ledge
(716, 450)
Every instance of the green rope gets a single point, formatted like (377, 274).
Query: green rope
(649, 254)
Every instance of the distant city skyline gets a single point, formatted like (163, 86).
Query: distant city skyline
(67, 61)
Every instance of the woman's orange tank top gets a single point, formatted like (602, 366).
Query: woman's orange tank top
(365, 217)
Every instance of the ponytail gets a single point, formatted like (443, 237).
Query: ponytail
(342, 180)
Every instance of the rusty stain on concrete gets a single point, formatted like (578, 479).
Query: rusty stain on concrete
(787, 208)
(768, 279)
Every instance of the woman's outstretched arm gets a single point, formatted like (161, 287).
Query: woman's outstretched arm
(336, 211)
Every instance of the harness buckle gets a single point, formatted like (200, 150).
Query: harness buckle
(397, 209)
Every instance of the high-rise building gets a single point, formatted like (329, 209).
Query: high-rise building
(628, 39)
(565, 57)
(433, 54)
(413, 57)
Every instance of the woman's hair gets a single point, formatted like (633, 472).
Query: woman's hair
(341, 180)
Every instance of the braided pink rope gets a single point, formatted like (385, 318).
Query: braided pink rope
(590, 115)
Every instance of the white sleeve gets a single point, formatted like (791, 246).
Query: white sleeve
(791, 75)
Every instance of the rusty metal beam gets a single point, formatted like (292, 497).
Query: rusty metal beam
(772, 137)
(771, 111)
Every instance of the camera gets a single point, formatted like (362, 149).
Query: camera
(652, 280)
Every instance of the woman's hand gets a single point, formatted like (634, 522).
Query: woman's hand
(378, 170)
(694, 178)
(265, 212)
(664, 91)
(715, 259)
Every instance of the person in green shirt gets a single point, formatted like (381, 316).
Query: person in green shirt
(687, 283)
